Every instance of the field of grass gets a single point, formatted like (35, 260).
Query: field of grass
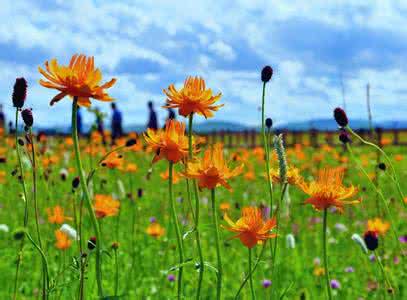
(137, 265)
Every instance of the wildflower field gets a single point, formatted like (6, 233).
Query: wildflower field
(165, 215)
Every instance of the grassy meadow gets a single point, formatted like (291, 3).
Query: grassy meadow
(167, 215)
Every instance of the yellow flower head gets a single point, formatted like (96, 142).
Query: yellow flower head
(106, 206)
(170, 143)
(56, 215)
(378, 226)
(63, 242)
(79, 79)
(251, 229)
(193, 97)
(155, 230)
(212, 170)
(328, 190)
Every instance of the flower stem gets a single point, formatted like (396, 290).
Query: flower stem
(20, 164)
(250, 274)
(86, 194)
(327, 279)
(177, 230)
(251, 271)
(386, 279)
(394, 177)
(217, 241)
(378, 192)
(196, 213)
(266, 146)
(37, 224)
(116, 281)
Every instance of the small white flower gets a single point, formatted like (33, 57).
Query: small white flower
(341, 227)
(120, 186)
(290, 241)
(70, 231)
(359, 240)
(4, 228)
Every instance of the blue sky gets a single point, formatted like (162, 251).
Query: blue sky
(147, 45)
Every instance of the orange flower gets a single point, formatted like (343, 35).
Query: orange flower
(251, 229)
(2, 176)
(378, 226)
(106, 206)
(130, 168)
(175, 176)
(113, 161)
(193, 97)
(155, 230)
(78, 79)
(63, 241)
(398, 157)
(170, 143)
(249, 175)
(56, 215)
(212, 170)
(224, 206)
(328, 190)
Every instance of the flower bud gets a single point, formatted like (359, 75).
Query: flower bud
(371, 240)
(115, 245)
(92, 243)
(131, 142)
(344, 137)
(266, 74)
(340, 117)
(27, 117)
(19, 234)
(382, 166)
(269, 123)
(19, 92)
(75, 182)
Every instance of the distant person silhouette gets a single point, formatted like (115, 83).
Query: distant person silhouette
(152, 121)
(10, 128)
(79, 121)
(171, 116)
(117, 130)
(99, 124)
(2, 118)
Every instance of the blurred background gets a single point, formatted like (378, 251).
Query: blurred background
(324, 54)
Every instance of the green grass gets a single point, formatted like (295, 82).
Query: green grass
(145, 262)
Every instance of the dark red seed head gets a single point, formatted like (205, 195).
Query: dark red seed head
(371, 240)
(266, 73)
(340, 117)
(27, 116)
(19, 92)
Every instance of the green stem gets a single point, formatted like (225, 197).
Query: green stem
(196, 213)
(250, 275)
(44, 260)
(37, 224)
(378, 192)
(394, 178)
(177, 230)
(21, 250)
(116, 281)
(251, 271)
(386, 279)
(266, 146)
(277, 213)
(86, 194)
(327, 279)
(217, 242)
